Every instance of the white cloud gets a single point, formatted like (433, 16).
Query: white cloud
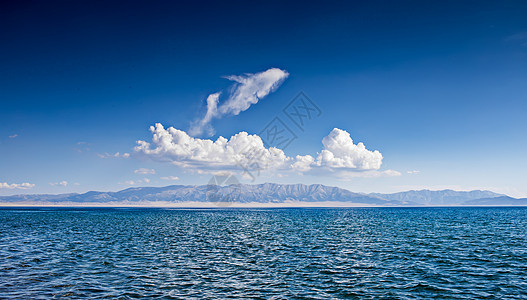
(413, 172)
(303, 163)
(391, 173)
(176, 146)
(115, 155)
(173, 178)
(340, 152)
(135, 182)
(369, 174)
(13, 136)
(199, 126)
(62, 183)
(21, 186)
(145, 171)
(247, 90)
(251, 88)
(339, 156)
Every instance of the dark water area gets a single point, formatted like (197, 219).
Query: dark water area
(354, 253)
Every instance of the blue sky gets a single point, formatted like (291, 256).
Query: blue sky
(438, 88)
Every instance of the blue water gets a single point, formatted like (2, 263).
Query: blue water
(370, 253)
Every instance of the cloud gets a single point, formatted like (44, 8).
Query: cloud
(339, 156)
(247, 90)
(82, 147)
(13, 136)
(177, 147)
(145, 171)
(340, 152)
(370, 174)
(173, 178)
(62, 183)
(518, 38)
(21, 186)
(115, 155)
(135, 182)
(413, 172)
(199, 126)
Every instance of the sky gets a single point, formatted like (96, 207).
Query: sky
(371, 96)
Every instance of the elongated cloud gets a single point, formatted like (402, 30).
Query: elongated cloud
(338, 156)
(145, 171)
(22, 186)
(247, 90)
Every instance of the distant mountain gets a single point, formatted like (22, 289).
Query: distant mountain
(267, 193)
(503, 200)
(444, 197)
(242, 193)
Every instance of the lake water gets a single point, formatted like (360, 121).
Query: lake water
(375, 253)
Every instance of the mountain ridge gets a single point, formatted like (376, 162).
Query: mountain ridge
(265, 193)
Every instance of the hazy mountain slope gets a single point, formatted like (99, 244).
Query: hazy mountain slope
(444, 197)
(503, 200)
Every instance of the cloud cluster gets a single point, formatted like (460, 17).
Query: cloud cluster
(339, 156)
(176, 146)
(145, 171)
(247, 90)
(21, 186)
(61, 183)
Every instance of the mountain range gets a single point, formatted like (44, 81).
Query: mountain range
(267, 194)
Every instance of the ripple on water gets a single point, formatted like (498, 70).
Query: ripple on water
(402, 253)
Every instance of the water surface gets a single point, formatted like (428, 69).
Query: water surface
(375, 253)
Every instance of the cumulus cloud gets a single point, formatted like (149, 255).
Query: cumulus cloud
(61, 183)
(413, 172)
(340, 155)
(145, 171)
(247, 90)
(21, 186)
(176, 146)
(115, 155)
(340, 152)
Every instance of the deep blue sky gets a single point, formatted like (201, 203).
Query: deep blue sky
(437, 87)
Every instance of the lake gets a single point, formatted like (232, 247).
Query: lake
(371, 253)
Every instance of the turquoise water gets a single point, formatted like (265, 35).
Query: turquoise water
(375, 253)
